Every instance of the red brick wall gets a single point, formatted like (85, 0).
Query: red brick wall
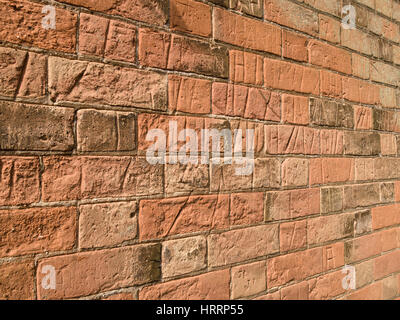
(78, 194)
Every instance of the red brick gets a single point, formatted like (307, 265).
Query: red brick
(246, 32)
(25, 231)
(330, 170)
(107, 224)
(331, 142)
(242, 244)
(331, 84)
(362, 117)
(19, 177)
(190, 16)
(163, 50)
(298, 291)
(247, 208)
(163, 217)
(182, 256)
(329, 57)
(333, 256)
(385, 216)
(23, 74)
(112, 39)
(21, 22)
(245, 102)
(289, 76)
(292, 204)
(387, 264)
(79, 81)
(249, 279)
(189, 94)
(294, 267)
(370, 292)
(388, 145)
(295, 109)
(36, 127)
(293, 235)
(17, 280)
(281, 11)
(327, 286)
(328, 228)
(68, 178)
(105, 130)
(294, 46)
(245, 67)
(151, 11)
(295, 172)
(329, 29)
(208, 286)
(86, 273)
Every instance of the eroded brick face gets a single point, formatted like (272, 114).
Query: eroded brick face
(93, 92)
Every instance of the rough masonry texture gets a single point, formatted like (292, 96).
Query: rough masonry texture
(78, 194)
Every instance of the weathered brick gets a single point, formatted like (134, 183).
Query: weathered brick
(25, 231)
(251, 7)
(298, 291)
(208, 286)
(294, 46)
(23, 74)
(241, 245)
(364, 273)
(186, 177)
(189, 94)
(295, 172)
(291, 204)
(360, 66)
(362, 118)
(17, 280)
(111, 39)
(249, 279)
(183, 256)
(363, 222)
(105, 130)
(370, 292)
(329, 29)
(163, 50)
(246, 32)
(331, 84)
(329, 57)
(190, 16)
(386, 120)
(326, 287)
(390, 288)
(78, 81)
(293, 235)
(331, 113)
(289, 76)
(163, 217)
(362, 195)
(19, 180)
(107, 224)
(360, 143)
(294, 266)
(151, 11)
(245, 67)
(331, 199)
(369, 245)
(328, 228)
(68, 178)
(246, 102)
(35, 128)
(87, 273)
(21, 22)
(382, 72)
(246, 208)
(295, 109)
(281, 11)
